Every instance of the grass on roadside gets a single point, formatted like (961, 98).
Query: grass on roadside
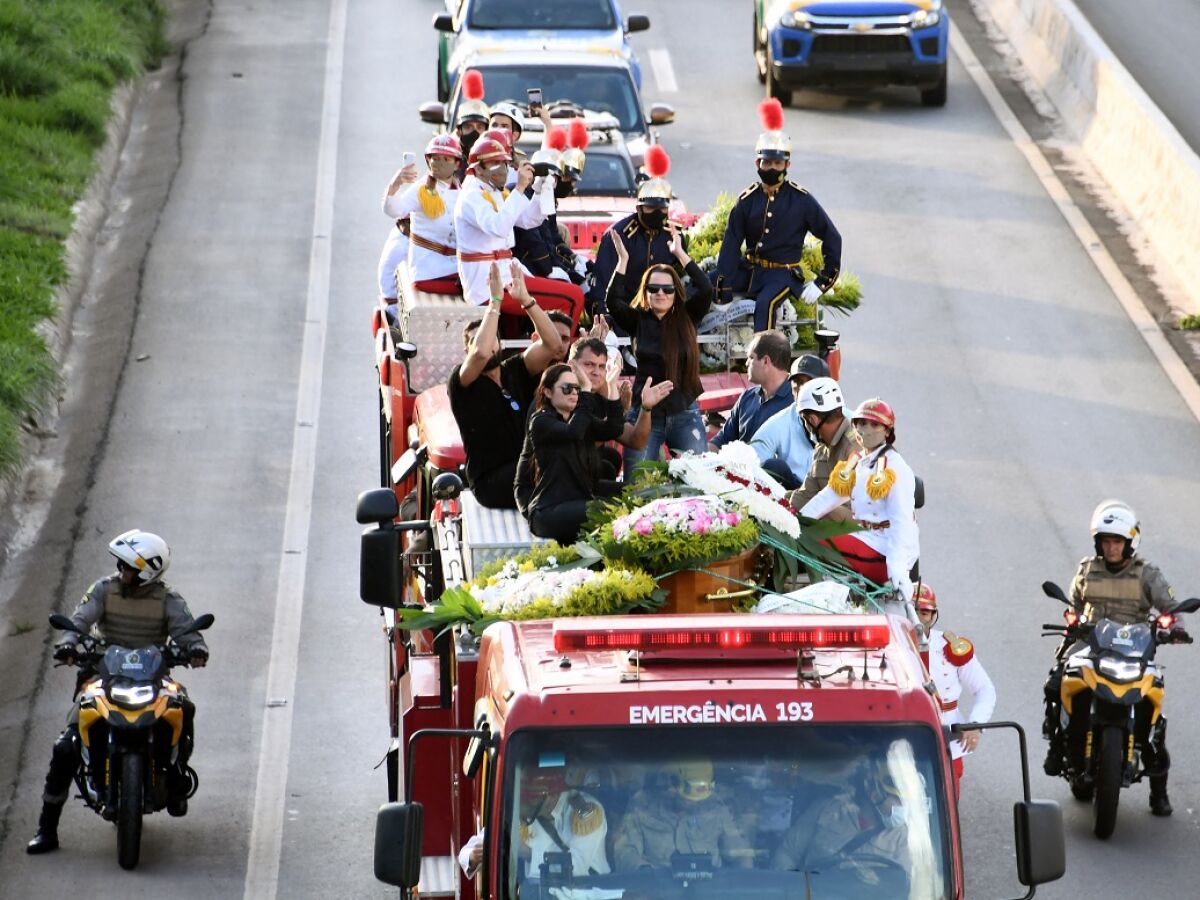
(1190, 323)
(59, 63)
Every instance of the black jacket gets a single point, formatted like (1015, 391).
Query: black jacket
(565, 452)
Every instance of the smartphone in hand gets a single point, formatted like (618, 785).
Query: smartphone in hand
(409, 158)
(535, 100)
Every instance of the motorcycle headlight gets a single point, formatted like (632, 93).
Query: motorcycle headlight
(925, 18)
(133, 694)
(794, 19)
(1119, 669)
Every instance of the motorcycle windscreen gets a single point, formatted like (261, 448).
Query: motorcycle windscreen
(841, 812)
(142, 664)
(1128, 640)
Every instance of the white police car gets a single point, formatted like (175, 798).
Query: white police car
(469, 26)
(598, 81)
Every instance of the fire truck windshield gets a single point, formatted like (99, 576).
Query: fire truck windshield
(813, 811)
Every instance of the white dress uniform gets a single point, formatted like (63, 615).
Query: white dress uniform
(431, 252)
(889, 520)
(483, 227)
(395, 251)
(586, 844)
(955, 668)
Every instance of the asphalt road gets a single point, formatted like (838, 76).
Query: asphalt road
(1024, 396)
(1157, 43)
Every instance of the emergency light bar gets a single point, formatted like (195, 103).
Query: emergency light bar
(740, 632)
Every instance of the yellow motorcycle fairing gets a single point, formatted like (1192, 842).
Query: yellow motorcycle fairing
(96, 707)
(1090, 679)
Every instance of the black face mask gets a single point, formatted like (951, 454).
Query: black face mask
(653, 219)
(468, 140)
(564, 189)
(771, 176)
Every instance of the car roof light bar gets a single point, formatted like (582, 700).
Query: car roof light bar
(779, 633)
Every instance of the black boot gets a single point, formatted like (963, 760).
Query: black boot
(1051, 732)
(1160, 803)
(46, 838)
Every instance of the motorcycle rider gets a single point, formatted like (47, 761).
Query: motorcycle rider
(133, 607)
(1114, 584)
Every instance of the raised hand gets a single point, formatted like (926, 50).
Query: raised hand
(519, 289)
(495, 282)
(653, 394)
(676, 242)
(599, 328)
(585, 383)
(525, 176)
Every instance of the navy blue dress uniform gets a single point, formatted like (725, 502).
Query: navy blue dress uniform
(541, 249)
(773, 227)
(644, 232)
(771, 224)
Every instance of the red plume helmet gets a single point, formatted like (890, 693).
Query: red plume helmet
(579, 137)
(557, 139)
(770, 111)
(473, 84)
(658, 164)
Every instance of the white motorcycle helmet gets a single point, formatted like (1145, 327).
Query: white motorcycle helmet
(507, 108)
(141, 550)
(821, 395)
(1118, 519)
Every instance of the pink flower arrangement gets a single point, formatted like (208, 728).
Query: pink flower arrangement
(693, 515)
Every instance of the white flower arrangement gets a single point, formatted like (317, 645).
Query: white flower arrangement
(734, 475)
(514, 591)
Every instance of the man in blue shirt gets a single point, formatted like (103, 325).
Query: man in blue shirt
(783, 444)
(768, 359)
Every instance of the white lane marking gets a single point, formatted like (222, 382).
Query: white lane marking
(1150, 331)
(664, 72)
(266, 831)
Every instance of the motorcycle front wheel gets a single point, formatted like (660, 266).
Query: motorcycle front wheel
(129, 811)
(1109, 765)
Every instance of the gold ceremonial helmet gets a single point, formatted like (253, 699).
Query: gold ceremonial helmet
(572, 161)
(654, 192)
(773, 145)
(471, 110)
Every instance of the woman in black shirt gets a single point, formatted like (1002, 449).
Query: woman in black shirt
(661, 318)
(566, 422)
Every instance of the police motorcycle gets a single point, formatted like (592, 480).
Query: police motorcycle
(130, 726)
(1110, 703)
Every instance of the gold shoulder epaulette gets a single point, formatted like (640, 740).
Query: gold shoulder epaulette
(632, 228)
(750, 190)
(798, 187)
(958, 650)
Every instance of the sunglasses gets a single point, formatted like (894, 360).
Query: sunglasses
(660, 289)
(569, 389)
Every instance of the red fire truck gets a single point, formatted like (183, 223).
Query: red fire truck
(731, 756)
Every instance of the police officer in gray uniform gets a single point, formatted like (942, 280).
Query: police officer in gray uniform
(133, 607)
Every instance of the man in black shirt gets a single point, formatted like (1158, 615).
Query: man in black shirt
(490, 397)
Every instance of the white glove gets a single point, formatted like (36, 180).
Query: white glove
(811, 293)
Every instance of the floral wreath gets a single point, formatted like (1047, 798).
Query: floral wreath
(735, 475)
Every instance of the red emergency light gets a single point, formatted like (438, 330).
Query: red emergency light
(825, 633)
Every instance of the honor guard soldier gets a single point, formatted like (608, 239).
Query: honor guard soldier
(429, 209)
(771, 220)
(471, 117)
(954, 668)
(644, 232)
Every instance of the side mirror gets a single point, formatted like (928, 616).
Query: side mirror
(443, 22)
(447, 486)
(1191, 604)
(377, 506)
(405, 350)
(379, 576)
(1041, 849)
(826, 339)
(1054, 592)
(661, 114)
(62, 623)
(202, 623)
(919, 493)
(398, 828)
(432, 112)
(636, 23)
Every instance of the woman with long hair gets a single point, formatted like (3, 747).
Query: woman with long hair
(661, 319)
(569, 417)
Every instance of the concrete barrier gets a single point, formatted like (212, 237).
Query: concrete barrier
(1131, 144)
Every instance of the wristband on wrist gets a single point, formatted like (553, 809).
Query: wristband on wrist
(530, 305)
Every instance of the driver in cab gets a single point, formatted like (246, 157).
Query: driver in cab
(681, 817)
(864, 828)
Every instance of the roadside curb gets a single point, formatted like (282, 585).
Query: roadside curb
(1121, 131)
(91, 212)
